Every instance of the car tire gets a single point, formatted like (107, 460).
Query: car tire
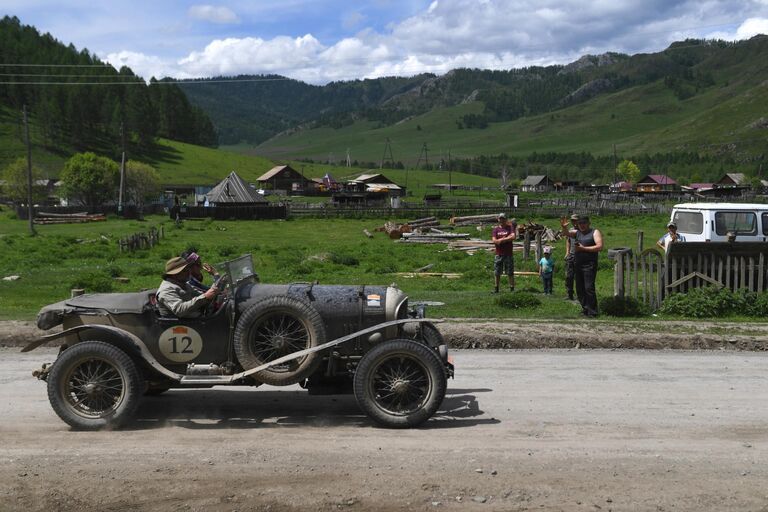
(274, 327)
(94, 385)
(400, 383)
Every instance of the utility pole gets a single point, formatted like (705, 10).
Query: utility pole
(450, 182)
(387, 149)
(122, 172)
(615, 165)
(349, 159)
(29, 173)
(424, 151)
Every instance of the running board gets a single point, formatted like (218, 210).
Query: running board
(213, 380)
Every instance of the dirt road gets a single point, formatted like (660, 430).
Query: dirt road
(519, 430)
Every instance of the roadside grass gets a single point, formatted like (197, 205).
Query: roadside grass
(62, 257)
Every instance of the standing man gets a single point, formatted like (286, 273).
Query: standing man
(588, 244)
(670, 237)
(570, 259)
(503, 237)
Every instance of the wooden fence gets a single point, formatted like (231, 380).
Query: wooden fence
(241, 212)
(649, 275)
(141, 240)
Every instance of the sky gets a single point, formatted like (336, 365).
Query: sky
(318, 41)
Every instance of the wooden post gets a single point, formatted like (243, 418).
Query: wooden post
(618, 282)
(527, 244)
(539, 249)
(639, 242)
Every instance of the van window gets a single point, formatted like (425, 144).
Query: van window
(742, 223)
(689, 222)
(765, 223)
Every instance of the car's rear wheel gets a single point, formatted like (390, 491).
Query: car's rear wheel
(94, 385)
(275, 327)
(400, 383)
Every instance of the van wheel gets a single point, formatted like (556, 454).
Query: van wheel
(94, 385)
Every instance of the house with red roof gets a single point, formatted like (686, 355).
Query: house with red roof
(656, 183)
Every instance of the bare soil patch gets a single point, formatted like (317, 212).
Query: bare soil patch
(526, 333)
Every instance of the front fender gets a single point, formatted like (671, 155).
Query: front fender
(126, 341)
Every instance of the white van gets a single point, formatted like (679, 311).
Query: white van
(711, 222)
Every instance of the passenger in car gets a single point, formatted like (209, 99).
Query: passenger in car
(175, 297)
(196, 267)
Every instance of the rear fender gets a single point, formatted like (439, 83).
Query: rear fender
(122, 339)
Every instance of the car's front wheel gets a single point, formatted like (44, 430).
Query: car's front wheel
(94, 385)
(400, 383)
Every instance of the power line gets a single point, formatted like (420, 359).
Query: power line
(140, 81)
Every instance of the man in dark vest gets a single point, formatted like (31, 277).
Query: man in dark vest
(588, 243)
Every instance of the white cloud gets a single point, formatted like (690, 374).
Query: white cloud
(146, 66)
(213, 14)
(446, 34)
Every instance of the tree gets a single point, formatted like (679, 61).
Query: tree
(142, 183)
(15, 187)
(628, 171)
(89, 179)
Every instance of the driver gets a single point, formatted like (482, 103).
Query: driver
(176, 297)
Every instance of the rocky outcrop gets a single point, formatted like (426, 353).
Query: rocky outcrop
(587, 91)
(592, 61)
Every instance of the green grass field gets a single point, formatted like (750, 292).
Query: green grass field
(62, 257)
(646, 118)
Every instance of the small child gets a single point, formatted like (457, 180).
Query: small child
(546, 269)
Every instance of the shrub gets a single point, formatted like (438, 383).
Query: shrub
(114, 271)
(344, 259)
(99, 282)
(622, 306)
(519, 300)
(708, 302)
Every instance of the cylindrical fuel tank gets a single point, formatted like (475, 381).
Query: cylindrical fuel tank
(344, 309)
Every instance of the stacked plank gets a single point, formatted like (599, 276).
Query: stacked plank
(67, 218)
(431, 236)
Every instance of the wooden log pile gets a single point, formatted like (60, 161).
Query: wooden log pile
(547, 234)
(396, 231)
(67, 218)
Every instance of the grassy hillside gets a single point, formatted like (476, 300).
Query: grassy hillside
(179, 163)
(646, 118)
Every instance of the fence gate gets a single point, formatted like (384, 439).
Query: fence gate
(731, 265)
(640, 276)
(651, 276)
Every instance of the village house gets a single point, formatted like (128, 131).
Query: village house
(233, 191)
(651, 183)
(537, 183)
(732, 180)
(286, 179)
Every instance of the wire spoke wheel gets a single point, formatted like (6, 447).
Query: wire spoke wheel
(400, 383)
(275, 327)
(278, 334)
(94, 388)
(94, 385)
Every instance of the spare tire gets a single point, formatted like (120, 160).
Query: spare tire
(275, 327)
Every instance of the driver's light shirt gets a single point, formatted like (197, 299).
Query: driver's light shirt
(178, 301)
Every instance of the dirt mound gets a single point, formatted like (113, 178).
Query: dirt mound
(524, 333)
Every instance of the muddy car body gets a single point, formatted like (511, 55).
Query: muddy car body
(329, 339)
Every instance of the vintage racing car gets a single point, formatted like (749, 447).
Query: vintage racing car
(329, 339)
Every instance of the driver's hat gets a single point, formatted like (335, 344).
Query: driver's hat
(175, 265)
